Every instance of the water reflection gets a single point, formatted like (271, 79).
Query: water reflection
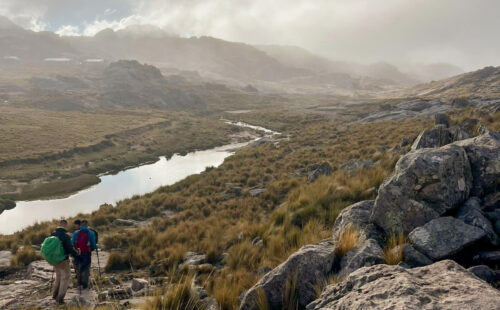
(134, 181)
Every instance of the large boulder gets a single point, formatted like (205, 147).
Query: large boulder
(470, 213)
(483, 272)
(413, 258)
(368, 253)
(444, 236)
(357, 216)
(442, 119)
(435, 137)
(308, 266)
(444, 285)
(426, 184)
(484, 156)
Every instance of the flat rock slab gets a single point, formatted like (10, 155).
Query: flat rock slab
(444, 236)
(5, 258)
(444, 285)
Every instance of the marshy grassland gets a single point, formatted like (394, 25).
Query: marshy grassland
(47, 153)
(212, 219)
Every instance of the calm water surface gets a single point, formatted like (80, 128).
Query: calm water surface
(112, 188)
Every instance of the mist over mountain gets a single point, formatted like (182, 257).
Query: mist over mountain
(213, 58)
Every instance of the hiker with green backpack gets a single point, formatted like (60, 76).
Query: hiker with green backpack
(56, 250)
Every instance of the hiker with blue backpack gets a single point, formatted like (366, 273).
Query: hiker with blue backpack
(56, 250)
(84, 241)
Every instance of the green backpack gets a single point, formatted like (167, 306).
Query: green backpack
(52, 250)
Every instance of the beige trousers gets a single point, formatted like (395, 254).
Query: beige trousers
(62, 280)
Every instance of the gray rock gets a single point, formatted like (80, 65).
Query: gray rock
(138, 284)
(414, 258)
(357, 216)
(444, 285)
(113, 280)
(470, 213)
(430, 138)
(204, 300)
(369, 253)
(308, 266)
(119, 293)
(483, 272)
(5, 257)
(234, 191)
(496, 227)
(193, 259)
(323, 169)
(457, 133)
(470, 126)
(124, 222)
(41, 270)
(491, 258)
(442, 119)
(484, 156)
(491, 202)
(256, 191)
(460, 103)
(444, 236)
(354, 165)
(426, 184)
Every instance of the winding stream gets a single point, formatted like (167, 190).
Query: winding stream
(125, 184)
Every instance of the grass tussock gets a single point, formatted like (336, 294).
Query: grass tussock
(24, 256)
(348, 240)
(290, 214)
(393, 251)
(177, 296)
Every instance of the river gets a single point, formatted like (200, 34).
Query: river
(125, 184)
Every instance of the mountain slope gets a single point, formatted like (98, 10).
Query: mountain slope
(483, 83)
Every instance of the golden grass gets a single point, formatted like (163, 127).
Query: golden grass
(393, 251)
(176, 295)
(289, 215)
(348, 240)
(24, 256)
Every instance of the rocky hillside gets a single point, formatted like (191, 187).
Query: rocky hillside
(437, 215)
(483, 83)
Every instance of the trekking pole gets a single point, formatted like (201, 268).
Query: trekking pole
(52, 279)
(98, 262)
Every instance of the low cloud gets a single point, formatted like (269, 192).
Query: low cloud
(400, 31)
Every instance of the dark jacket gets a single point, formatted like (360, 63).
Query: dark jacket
(62, 234)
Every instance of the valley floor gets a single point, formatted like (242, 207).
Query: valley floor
(228, 226)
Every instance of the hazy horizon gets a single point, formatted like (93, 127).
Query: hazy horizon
(462, 33)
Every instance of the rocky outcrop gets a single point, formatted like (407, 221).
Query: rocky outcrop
(426, 184)
(318, 170)
(354, 165)
(368, 253)
(443, 285)
(483, 153)
(444, 198)
(444, 236)
(484, 272)
(307, 267)
(358, 217)
(413, 258)
(470, 213)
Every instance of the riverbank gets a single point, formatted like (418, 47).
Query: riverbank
(68, 170)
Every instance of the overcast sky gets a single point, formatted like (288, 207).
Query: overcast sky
(462, 32)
